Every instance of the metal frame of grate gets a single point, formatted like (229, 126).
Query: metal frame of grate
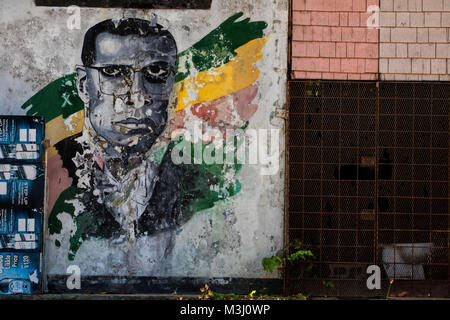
(368, 180)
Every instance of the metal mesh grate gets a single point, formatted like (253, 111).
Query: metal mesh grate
(369, 184)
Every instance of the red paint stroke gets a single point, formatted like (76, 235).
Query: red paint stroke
(221, 113)
(58, 180)
(179, 120)
(242, 101)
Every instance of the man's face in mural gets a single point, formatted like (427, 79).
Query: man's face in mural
(127, 87)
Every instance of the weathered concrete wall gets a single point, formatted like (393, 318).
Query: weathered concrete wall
(231, 216)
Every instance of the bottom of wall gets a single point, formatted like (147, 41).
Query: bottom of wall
(151, 285)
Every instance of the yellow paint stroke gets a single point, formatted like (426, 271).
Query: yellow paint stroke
(236, 75)
(57, 130)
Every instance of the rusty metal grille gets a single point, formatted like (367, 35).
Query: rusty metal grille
(368, 184)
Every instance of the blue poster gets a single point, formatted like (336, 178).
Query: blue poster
(22, 184)
(20, 273)
(21, 230)
(21, 139)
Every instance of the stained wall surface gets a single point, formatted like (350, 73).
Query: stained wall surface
(119, 204)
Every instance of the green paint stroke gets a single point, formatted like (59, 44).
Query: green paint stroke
(217, 48)
(200, 190)
(60, 97)
(54, 224)
(205, 184)
(81, 221)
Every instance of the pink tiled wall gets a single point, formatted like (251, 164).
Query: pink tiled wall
(415, 40)
(331, 40)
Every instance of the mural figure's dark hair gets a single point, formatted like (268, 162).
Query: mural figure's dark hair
(130, 26)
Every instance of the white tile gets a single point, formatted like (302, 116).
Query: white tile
(30, 225)
(21, 225)
(3, 188)
(32, 135)
(23, 135)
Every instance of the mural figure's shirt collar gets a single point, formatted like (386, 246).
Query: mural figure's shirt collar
(126, 196)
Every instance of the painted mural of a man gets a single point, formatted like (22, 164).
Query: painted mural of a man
(126, 185)
(126, 82)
